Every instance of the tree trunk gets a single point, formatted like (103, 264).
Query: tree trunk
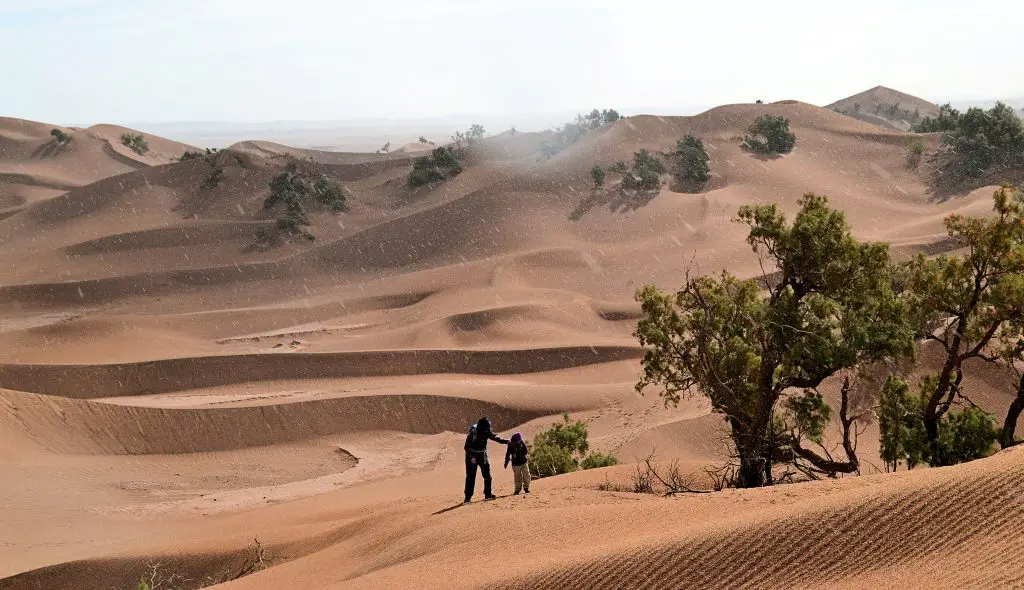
(752, 471)
(1007, 439)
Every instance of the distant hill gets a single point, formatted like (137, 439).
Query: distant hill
(886, 108)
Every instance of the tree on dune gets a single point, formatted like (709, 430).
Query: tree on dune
(759, 350)
(770, 134)
(690, 163)
(972, 306)
(297, 188)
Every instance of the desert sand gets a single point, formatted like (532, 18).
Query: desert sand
(170, 392)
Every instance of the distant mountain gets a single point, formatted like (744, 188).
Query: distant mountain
(886, 108)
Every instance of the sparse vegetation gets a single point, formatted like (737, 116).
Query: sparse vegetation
(946, 120)
(914, 154)
(196, 155)
(384, 148)
(646, 172)
(597, 173)
(563, 449)
(135, 142)
(831, 309)
(214, 178)
(442, 163)
(571, 132)
(423, 139)
(770, 134)
(690, 163)
(61, 137)
(297, 187)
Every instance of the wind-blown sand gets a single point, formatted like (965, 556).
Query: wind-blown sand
(170, 392)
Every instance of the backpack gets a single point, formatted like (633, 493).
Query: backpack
(472, 433)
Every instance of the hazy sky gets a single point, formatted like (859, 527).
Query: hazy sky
(121, 61)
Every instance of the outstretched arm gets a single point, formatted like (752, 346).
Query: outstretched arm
(497, 438)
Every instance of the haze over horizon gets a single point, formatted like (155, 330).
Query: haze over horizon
(221, 60)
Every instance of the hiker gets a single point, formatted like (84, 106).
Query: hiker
(518, 454)
(476, 456)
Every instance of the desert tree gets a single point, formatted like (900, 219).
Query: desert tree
(962, 302)
(769, 134)
(946, 120)
(646, 172)
(597, 173)
(1011, 350)
(981, 139)
(744, 344)
(690, 162)
(442, 163)
(61, 137)
(901, 430)
(299, 187)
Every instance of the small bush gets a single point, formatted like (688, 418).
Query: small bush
(135, 142)
(61, 137)
(572, 131)
(442, 164)
(946, 120)
(213, 178)
(965, 436)
(770, 135)
(385, 148)
(423, 139)
(619, 167)
(598, 460)
(597, 173)
(690, 162)
(646, 172)
(185, 157)
(563, 449)
(914, 154)
(294, 187)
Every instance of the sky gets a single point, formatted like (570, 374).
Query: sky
(75, 62)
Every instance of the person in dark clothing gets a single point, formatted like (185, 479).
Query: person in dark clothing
(519, 455)
(476, 456)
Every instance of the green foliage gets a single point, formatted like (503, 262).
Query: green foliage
(901, 430)
(646, 172)
(442, 164)
(294, 188)
(690, 162)
(136, 142)
(914, 154)
(808, 414)
(770, 135)
(946, 120)
(563, 449)
(619, 167)
(385, 148)
(981, 139)
(759, 101)
(208, 154)
(964, 302)
(728, 340)
(423, 139)
(143, 585)
(965, 436)
(213, 178)
(572, 131)
(598, 460)
(597, 173)
(61, 137)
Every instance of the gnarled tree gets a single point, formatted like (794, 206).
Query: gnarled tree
(963, 302)
(746, 345)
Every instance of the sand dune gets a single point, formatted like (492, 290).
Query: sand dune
(190, 391)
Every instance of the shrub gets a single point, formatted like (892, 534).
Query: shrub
(61, 137)
(619, 167)
(965, 436)
(597, 173)
(189, 156)
(442, 164)
(385, 148)
(136, 142)
(946, 120)
(690, 161)
(770, 135)
(914, 154)
(563, 449)
(294, 188)
(423, 139)
(979, 139)
(571, 132)
(646, 172)
(759, 101)
(213, 179)
(598, 460)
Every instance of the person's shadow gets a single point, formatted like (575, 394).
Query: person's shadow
(460, 505)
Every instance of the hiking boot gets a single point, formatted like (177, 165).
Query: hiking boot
(466, 501)
(527, 491)
(515, 493)
(490, 497)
